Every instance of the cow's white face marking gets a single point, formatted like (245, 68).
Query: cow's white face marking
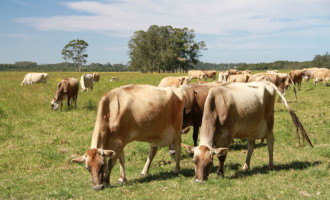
(54, 104)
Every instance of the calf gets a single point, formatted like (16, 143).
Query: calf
(237, 110)
(66, 89)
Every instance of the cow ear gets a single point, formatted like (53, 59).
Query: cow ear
(220, 151)
(80, 159)
(109, 153)
(190, 149)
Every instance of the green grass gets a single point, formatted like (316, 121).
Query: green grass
(37, 145)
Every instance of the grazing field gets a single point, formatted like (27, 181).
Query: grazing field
(37, 145)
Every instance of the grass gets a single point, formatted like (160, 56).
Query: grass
(37, 145)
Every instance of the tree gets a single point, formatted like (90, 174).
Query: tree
(75, 51)
(164, 48)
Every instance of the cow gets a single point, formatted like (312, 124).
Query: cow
(308, 73)
(237, 110)
(114, 79)
(130, 113)
(31, 78)
(197, 74)
(223, 76)
(86, 82)
(272, 71)
(296, 77)
(322, 74)
(96, 77)
(67, 88)
(210, 74)
(243, 78)
(174, 81)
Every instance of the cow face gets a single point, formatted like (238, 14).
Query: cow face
(94, 161)
(54, 104)
(203, 159)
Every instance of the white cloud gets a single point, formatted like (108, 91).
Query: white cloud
(122, 17)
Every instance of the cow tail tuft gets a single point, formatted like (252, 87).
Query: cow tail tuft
(299, 127)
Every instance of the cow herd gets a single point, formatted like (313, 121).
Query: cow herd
(238, 105)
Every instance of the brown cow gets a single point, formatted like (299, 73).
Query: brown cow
(174, 81)
(322, 74)
(66, 89)
(210, 74)
(96, 77)
(296, 77)
(237, 110)
(133, 113)
(281, 80)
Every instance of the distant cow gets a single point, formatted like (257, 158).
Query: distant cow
(210, 74)
(66, 89)
(281, 80)
(197, 74)
(242, 78)
(322, 74)
(133, 113)
(272, 71)
(31, 78)
(308, 73)
(174, 81)
(86, 82)
(237, 110)
(96, 77)
(223, 76)
(296, 77)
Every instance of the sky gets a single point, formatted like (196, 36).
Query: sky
(235, 31)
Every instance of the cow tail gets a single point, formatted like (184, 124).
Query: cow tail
(294, 88)
(299, 127)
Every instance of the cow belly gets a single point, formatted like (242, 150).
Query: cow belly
(166, 138)
(252, 133)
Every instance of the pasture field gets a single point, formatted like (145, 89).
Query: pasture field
(37, 146)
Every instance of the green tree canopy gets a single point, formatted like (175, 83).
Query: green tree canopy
(75, 51)
(164, 48)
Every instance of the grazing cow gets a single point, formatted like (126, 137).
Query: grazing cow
(210, 74)
(66, 89)
(96, 77)
(31, 78)
(174, 81)
(86, 82)
(322, 74)
(237, 110)
(197, 74)
(308, 73)
(243, 78)
(281, 80)
(133, 113)
(296, 77)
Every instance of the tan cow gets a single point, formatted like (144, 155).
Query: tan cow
(31, 78)
(86, 82)
(296, 77)
(237, 110)
(281, 80)
(130, 113)
(272, 71)
(242, 78)
(308, 73)
(322, 74)
(210, 74)
(223, 76)
(197, 74)
(174, 81)
(66, 89)
(96, 77)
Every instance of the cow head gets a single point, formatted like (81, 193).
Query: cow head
(95, 162)
(54, 104)
(203, 159)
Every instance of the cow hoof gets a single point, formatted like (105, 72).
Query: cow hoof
(122, 180)
(172, 152)
(143, 174)
(245, 168)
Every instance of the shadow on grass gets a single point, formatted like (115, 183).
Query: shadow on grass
(296, 165)
(243, 146)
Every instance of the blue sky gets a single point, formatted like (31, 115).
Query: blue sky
(234, 31)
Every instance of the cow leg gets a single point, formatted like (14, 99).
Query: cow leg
(222, 159)
(251, 144)
(69, 103)
(195, 133)
(177, 146)
(152, 153)
(122, 178)
(270, 145)
(61, 105)
(111, 164)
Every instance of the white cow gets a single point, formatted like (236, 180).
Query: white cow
(86, 82)
(31, 78)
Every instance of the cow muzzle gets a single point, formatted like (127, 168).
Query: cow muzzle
(54, 105)
(98, 187)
